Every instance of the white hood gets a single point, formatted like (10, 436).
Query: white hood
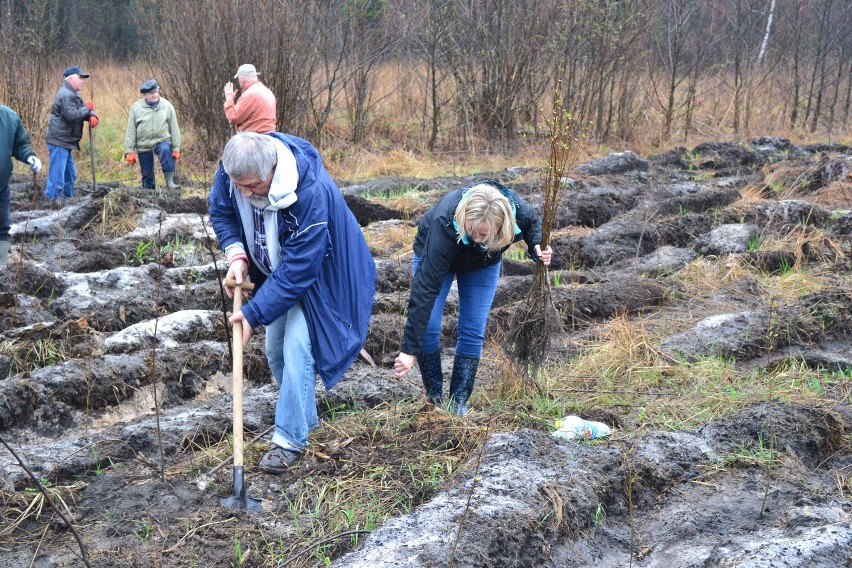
(282, 192)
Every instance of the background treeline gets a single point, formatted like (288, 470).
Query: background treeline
(450, 74)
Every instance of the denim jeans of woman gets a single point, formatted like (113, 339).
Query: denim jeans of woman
(288, 350)
(476, 294)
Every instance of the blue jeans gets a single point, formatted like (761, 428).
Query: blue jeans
(5, 201)
(146, 162)
(476, 294)
(61, 174)
(288, 350)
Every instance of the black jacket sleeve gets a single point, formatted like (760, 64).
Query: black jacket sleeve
(529, 223)
(438, 253)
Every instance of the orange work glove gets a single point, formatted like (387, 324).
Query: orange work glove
(90, 105)
(130, 157)
(176, 154)
(93, 121)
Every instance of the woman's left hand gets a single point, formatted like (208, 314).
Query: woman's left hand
(544, 255)
(403, 364)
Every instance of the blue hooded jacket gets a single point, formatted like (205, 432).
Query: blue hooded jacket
(325, 262)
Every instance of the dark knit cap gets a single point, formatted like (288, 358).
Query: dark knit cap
(149, 86)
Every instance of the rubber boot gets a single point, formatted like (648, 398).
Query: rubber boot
(4, 252)
(433, 376)
(170, 180)
(461, 383)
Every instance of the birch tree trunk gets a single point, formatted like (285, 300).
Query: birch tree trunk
(763, 43)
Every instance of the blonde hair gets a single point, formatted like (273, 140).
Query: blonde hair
(485, 205)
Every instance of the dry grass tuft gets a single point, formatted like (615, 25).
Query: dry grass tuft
(34, 353)
(813, 244)
(792, 285)
(702, 278)
(390, 237)
(118, 216)
(512, 383)
(407, 205)
(361, 164)
(22, 507)
(624, 349)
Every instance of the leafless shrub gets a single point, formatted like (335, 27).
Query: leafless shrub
(27, 74)
(494, 52)
(538, 320)
(198, 45)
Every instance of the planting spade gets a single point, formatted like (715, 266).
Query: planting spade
(239, 500)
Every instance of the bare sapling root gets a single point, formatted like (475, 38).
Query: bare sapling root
(534, 324)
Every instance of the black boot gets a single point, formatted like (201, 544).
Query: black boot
(461, 383)
(433, 376)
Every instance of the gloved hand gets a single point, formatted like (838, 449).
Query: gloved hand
(130, 157)
(90, 105)
(35, 164)
(176, 154)
(93, 121)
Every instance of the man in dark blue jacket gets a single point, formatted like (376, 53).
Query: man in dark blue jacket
(14, 141)
(68, 112)
(282, 220)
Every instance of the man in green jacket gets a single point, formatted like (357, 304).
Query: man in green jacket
(14, 141)
(152, 128)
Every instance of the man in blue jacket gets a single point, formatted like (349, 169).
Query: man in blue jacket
(282, 221)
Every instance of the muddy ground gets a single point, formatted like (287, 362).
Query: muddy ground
(115, 379)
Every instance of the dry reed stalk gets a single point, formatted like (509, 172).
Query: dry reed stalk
(538, 319)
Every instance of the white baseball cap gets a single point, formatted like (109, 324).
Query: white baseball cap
(246, 70)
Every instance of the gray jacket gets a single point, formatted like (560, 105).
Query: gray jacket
(67, 114)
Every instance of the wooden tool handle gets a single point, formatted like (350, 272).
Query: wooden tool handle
(246, 285)
(237, 369)
(237, 381)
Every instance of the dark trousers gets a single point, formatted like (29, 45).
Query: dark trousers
(146, 162)
(4, 211)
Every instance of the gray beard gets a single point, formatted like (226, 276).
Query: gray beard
(259, 201)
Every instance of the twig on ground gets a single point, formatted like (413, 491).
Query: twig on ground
(83, 556)
(153, 361)
(473, 481)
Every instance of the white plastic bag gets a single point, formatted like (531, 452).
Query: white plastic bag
(573, 428)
